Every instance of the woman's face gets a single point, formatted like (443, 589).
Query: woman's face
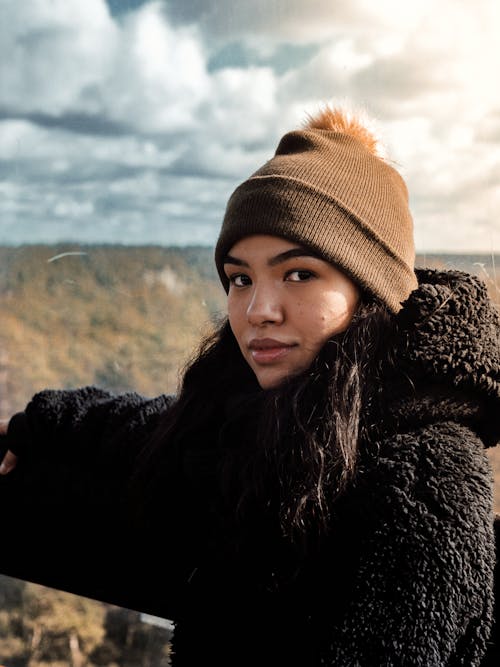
(284, 303)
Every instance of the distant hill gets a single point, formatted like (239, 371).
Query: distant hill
(486, 264)
(120, 317)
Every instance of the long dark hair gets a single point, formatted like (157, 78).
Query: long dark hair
(294, 447)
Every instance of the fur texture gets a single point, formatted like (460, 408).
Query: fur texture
(340, 120)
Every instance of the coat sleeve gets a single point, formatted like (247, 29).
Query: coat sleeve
(76, 424)
(65, 508)
(423, 593)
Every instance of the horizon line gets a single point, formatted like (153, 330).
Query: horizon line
(121, 244)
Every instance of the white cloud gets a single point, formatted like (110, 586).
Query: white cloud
(159, 77)
(51, 52)
(268, 22)
(243, 105)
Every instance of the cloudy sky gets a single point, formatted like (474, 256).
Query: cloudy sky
(133, 120)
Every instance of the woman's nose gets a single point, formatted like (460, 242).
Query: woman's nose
(265, 307)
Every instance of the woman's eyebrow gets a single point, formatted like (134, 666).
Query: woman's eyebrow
(289, 254)
(278, 259)
(229, 259)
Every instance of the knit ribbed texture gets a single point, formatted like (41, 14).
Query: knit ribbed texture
(327, 191)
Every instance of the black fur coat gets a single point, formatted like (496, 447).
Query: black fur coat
(405, 575)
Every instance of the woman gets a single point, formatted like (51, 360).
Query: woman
(318, 493)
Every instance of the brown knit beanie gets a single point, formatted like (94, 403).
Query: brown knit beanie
(327, 189)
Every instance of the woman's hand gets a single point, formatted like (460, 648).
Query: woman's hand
(9, 460)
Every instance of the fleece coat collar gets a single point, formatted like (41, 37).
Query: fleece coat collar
(447, 348)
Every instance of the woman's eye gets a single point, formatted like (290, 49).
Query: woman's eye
(299, 276)
(239, 280)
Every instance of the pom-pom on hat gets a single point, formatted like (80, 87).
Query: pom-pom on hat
(328, 188)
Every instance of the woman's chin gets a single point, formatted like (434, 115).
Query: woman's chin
(271, 378)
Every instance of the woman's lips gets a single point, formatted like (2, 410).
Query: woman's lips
(268, 350)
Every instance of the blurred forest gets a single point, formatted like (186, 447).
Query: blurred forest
(124, 318)
(40, 626)
(121, 318)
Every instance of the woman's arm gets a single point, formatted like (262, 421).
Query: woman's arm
(73, 424)
(65, 510)
(424, 589)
